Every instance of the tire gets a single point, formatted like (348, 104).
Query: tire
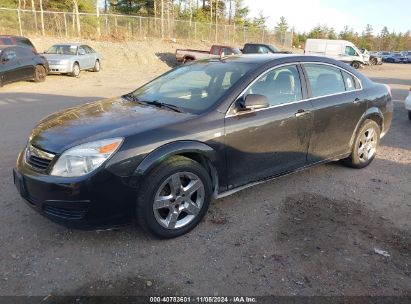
(97, 66)
(40, 74)
(409, 112)
(76, 70)
(374, 61)
(187, 60)
(183, 209)
(356, 65)
(365, 145)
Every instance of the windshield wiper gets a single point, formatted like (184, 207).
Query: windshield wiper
(164, 105)
(131, 97)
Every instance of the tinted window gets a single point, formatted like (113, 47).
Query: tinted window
(7, 41)
(350, 81)
(24, 42)
(281, 85)
(24, 52)
(263, 49)
(324, 79)
(9, 54)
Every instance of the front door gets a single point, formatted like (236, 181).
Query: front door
(270, 141)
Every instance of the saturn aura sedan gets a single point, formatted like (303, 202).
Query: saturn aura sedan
(71, 58)
(200, 131)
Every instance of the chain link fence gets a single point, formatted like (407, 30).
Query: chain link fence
(125, 27)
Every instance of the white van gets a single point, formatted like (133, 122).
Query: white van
(338, 49)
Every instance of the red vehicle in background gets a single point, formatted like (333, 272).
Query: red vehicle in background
(215, 51)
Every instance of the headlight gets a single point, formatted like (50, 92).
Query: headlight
(85, 158)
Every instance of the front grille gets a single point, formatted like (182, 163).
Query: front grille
(38, 159)
(64, 213)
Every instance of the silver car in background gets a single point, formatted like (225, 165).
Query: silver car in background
(71, 58)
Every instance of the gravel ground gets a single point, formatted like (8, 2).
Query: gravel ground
(316, 232)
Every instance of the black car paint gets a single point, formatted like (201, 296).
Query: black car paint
(236, 149)
(20, 68)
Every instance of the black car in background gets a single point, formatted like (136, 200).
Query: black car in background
(21, 63)
(202, 130)
(261, 48)
(17, 40)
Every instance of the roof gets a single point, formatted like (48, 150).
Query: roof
(75, 43)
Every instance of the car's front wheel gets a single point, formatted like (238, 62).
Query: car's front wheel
(174, 197)
(356, 65)
(365, 145)
(75, 71)
(97, 66)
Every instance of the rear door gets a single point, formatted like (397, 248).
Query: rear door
(338, 104)
(25, 62)
(83, 59)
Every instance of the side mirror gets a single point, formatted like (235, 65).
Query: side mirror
(254, 102)
(82, 52)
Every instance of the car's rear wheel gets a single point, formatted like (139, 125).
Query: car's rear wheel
(174, 197)
(97, 66)
(75, 71)
(365, 145)
(40, 74)
(409, 112)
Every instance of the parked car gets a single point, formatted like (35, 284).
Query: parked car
(262, 48)
(407, 54)
(342, 50)
(17, 40)
(396, 58)
(408, 104)
(202, 130)
(373, 57)
(71, 58)
(384, 55)
(216, 50)
(20, 63)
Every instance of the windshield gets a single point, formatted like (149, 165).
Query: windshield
(63, 50)
(195, 87)
(273, 48)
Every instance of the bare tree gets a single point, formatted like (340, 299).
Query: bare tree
(19, 17)
(98, 19)
(162, 18)
(42, 17)
(76, 12)
(191, 10)
(33, 8)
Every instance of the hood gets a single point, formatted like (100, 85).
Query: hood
(99, 120)
(57, 56)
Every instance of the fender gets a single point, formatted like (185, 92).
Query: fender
(372, 113)
(173, 148)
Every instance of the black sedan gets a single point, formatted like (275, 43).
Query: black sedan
(200, 131)
(21, 63)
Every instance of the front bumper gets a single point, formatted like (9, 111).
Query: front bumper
(97, 200)
(59, 69)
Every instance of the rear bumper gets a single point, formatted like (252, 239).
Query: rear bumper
(100, 200)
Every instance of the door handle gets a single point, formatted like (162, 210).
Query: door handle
(357, 100)
(301, 112)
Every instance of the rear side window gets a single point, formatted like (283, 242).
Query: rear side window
(280, 86)
(215, 51)
(7, 41)
(351, 82)
(324, 80)
(24, 42)
(24, 52)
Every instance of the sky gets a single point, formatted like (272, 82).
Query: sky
(306, 14)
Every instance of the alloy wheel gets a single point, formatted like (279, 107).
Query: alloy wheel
(367, 146)
(178, 200)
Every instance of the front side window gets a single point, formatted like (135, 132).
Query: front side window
(10, 55)
(280, 86)
(324, 80)
(263, 49)
(195, 87)
(350, 51)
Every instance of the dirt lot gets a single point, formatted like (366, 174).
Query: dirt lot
(311, 233)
